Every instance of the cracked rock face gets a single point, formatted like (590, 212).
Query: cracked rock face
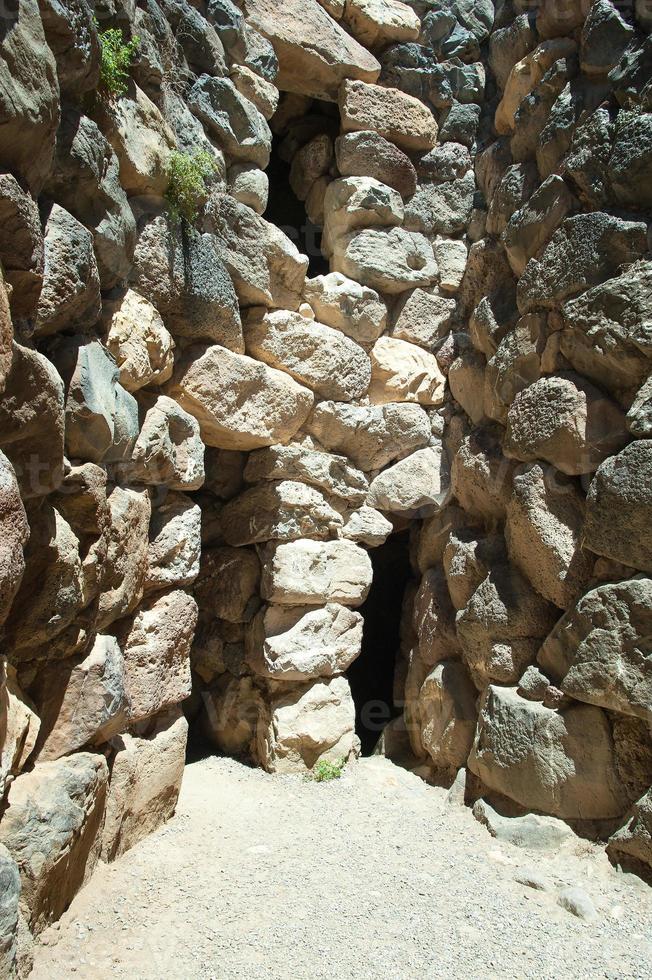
(414, 297)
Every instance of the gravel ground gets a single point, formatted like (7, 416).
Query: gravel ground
(373, 875)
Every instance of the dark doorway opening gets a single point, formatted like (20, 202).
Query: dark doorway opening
(371, 676)
(288, 213)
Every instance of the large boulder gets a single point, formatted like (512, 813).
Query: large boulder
(51, 592)
(422, 317)
(441, 208)
(70, 295)
(266, 267)
(377, 24)
(328, 472)
(403, 372)
(21, 245)
(501, 627)
(314, 69)
(72, 35)
(278, 511)
(125, 568)
(183, 274)
(415, 486)
(307, 724)
(387, 261)
(619, 507)
(156, 644)
(14, 533)
(19, 728)
(545, 517)
(481, 475)
(557, 762)
(32, 422)
(311, 573)
(631, 845)
(367, 154)
(52, 831)
(607, 334)
(344, 304)
(295, 643)
(174, 543)
(370, 435)
(85, 180)
(169, 450)
(398, 117)
(314, 354)
(142, 141)
(9, 912)
(81, 702)
(598, 652)
(448, 715)
(232, 120)
(358, 202)
(146, 778)
(567, 421)
(138, 340)
(583, 252)
(238, 402)
(29, 96)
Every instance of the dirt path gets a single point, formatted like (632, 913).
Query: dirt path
(371, 876)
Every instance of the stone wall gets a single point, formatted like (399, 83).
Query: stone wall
(200, 441)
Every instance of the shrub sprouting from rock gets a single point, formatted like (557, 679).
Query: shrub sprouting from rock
(188, 174)
(117, 56)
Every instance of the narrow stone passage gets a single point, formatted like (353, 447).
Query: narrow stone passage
(374, 875)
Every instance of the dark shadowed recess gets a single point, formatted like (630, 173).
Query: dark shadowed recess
(371, 676)
(288, 213)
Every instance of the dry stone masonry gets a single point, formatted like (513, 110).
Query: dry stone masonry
(204, 431)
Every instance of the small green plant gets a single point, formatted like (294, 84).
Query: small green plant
(117, 57)
(323, 771)
(187, 176)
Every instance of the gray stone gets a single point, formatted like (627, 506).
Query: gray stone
(235, 122)
(21, 245)
(174, 543)
(597, 652)
(584, 251)
(279, 511)
(29, 96)
(71, 33)
(388, 261)
(531, 831)
(422, 317)
(310, 573)
(9, 912)
(330, 473)
(619, 507)
(630, 165)
(607, 332)
(576, 901)
(85, 180)
(168, 450)
(631, 845)
(70, 296)
(443, 208)
(51, 829)
(367, 154)
(566, 421)
(415, 486)
(605, 35)
(344, 304)
(531, 227)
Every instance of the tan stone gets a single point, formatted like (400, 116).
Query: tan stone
(448, 714)
(136, 336)
(422, 317)
(370, 435)
(169, 449)
(174, 543)
(525, 75)
(230, 716)
(145, 781)
(379, 22)
(403, 372)
(14, 533)
(545, 517)
(398, 117)
(125, 571)
(238, 402)
(308, 724)
(557, 762)
(326, 471)
(416, 486)
(314, 354)
(142, 140)
(311, 162)
(19, 728)
(367, 526)
(51, 829)
(344, 304)
(358, 202)
(279, 511)
(314, 69)
(258, 90)
(298, 642)
(314, 572)
(156, 644)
